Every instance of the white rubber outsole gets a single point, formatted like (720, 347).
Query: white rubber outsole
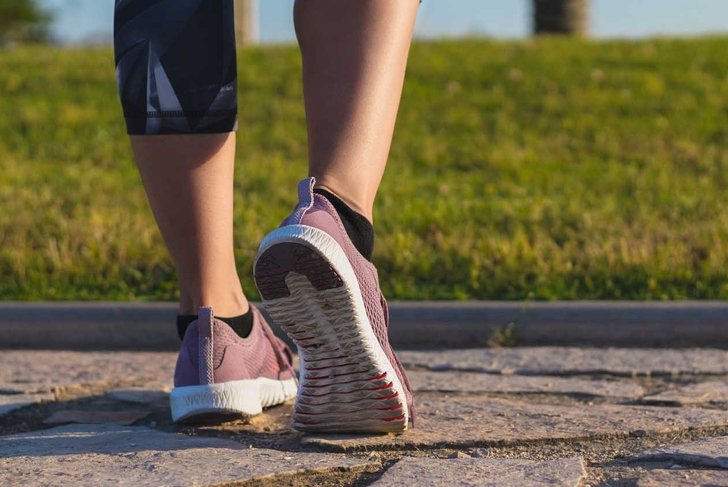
(239, 397)
(347, 383)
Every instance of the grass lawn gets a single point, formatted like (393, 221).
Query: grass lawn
(549, 169)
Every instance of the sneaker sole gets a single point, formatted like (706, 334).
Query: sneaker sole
(234, 398)
(347, 383)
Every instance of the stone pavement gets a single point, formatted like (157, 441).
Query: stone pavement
(506, 417)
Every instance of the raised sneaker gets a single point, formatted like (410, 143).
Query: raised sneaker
(220, 374)
(326, 296)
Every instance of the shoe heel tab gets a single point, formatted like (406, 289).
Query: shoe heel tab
(305, 201)
(305, 192)
(205, 320)
(205, 327)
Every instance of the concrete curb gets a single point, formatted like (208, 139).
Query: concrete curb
(415, 325)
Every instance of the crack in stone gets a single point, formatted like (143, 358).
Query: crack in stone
(358, 476)
(572, 445)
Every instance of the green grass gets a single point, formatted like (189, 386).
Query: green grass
(549, 169)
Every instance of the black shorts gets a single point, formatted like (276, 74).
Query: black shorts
(176, 65)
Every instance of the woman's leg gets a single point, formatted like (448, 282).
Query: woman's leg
(175, 63)
(314, 273)
(177, 80)
(189, 184)
(354, 57)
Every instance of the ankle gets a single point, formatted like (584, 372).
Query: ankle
(222, 304)
(356, 198)
(241, 324)
(359, 229)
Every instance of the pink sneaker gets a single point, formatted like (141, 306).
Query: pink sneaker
(326, 296)
(219, 373)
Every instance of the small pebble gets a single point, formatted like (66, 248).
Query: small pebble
(458, 454)
(480, 453)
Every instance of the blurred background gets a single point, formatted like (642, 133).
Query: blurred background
(90, 21)
(545, 149)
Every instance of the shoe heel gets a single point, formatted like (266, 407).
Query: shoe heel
(346, 385)
(235, 398)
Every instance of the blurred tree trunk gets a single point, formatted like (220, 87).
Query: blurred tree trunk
(23, 21)
(561, 17)
(246, 21)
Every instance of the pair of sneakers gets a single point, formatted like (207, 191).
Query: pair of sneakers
(325, 295)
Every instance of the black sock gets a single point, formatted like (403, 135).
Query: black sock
(359, 229)
(242, 325)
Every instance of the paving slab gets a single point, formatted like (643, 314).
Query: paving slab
(708, 452)
(124, 416)
(139, 396)
(468, 421)
(483, 472)
(715, 391)
(151, 393)
(683, 478)
(573, 361)
(138, 456)
(429, 381)
(11, 402)
(43, 371)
